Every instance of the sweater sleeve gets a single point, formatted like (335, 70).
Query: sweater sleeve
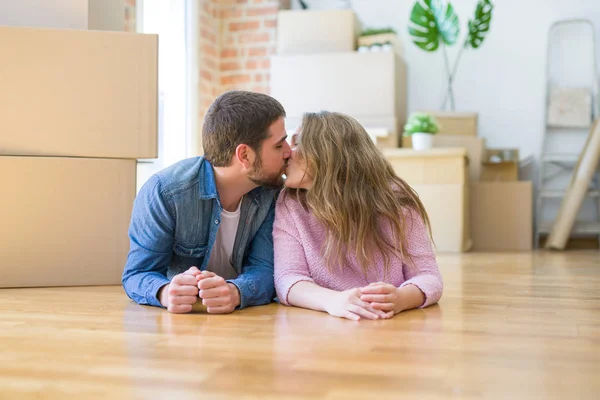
(420, 268)
(291, 266)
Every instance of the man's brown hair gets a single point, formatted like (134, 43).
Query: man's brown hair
(237, 117)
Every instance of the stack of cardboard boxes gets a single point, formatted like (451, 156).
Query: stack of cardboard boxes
(77, 108)
(318, 68)
(501, 206)
(441, 179)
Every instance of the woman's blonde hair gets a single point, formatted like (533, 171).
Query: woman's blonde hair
(354, 191)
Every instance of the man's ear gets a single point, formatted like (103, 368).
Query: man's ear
(244, 156)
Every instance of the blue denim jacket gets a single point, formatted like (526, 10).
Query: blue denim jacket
(174, 225)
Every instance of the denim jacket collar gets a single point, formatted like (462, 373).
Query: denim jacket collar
(207, 188)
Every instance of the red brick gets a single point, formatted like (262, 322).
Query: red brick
(230, 13)
(262, 11)
(261, 89)
(206, 75)
(270, 23)
(208, 35)
(258, 78)
(244, 26)
(230, 66)
(204, 86)
(262, 37)
(210, 63)
(206, 20)
(265, 64)
(257, 52)
(209, 49)
(252, 65)
(235, 79)
(229, 52)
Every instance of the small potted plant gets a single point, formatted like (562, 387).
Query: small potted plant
(421, 127)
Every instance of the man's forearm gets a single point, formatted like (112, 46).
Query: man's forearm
(144, 287)
(255, 285)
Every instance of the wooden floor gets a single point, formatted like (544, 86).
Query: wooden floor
(508, 326)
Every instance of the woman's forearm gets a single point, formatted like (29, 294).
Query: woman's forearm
(410, 297)
(310, 295)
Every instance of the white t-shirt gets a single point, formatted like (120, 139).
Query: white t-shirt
(223, 246)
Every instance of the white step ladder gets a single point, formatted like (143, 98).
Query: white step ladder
(571, 63)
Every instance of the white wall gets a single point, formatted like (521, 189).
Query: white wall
(504, 80)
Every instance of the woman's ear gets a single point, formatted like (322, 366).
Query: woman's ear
(244, 156)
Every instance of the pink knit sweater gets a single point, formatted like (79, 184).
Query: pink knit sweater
(298, 237)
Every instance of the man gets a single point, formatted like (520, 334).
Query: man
(202, 228)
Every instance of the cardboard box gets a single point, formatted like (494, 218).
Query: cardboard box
(502, 216)
(435, 166)
(475, 150)
(64, 220)
(64, 14)
(78, 93)
(500, 165)
(456, 123)
(448, 210)
(316, 31)
(440, 177)
(370, 87)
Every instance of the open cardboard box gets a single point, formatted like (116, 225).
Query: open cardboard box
(500, 165)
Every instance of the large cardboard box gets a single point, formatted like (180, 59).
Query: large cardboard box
(370, 87)
(64, 220)
(440, 177)
(78, 93)
(64, 14)
(316, 31)
(448, 210)
(502, 216)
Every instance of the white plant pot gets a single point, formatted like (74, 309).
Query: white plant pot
(422, 141)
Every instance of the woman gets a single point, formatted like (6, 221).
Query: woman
(350, 237)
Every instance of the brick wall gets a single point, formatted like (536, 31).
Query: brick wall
(129, 16)
(209, 26)
(248, 33)
(237, 38)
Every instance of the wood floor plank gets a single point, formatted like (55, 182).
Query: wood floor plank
(510, 325)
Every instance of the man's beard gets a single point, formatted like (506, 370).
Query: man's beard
(258, 176)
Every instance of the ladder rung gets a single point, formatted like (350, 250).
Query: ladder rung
(558, 193)
(560, 157)
(579, 228)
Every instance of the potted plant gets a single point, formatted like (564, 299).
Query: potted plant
(421, 127)
(379, 39)
(434, 24)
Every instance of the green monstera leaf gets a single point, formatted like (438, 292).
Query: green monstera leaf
(433, 21)
(480, 26)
